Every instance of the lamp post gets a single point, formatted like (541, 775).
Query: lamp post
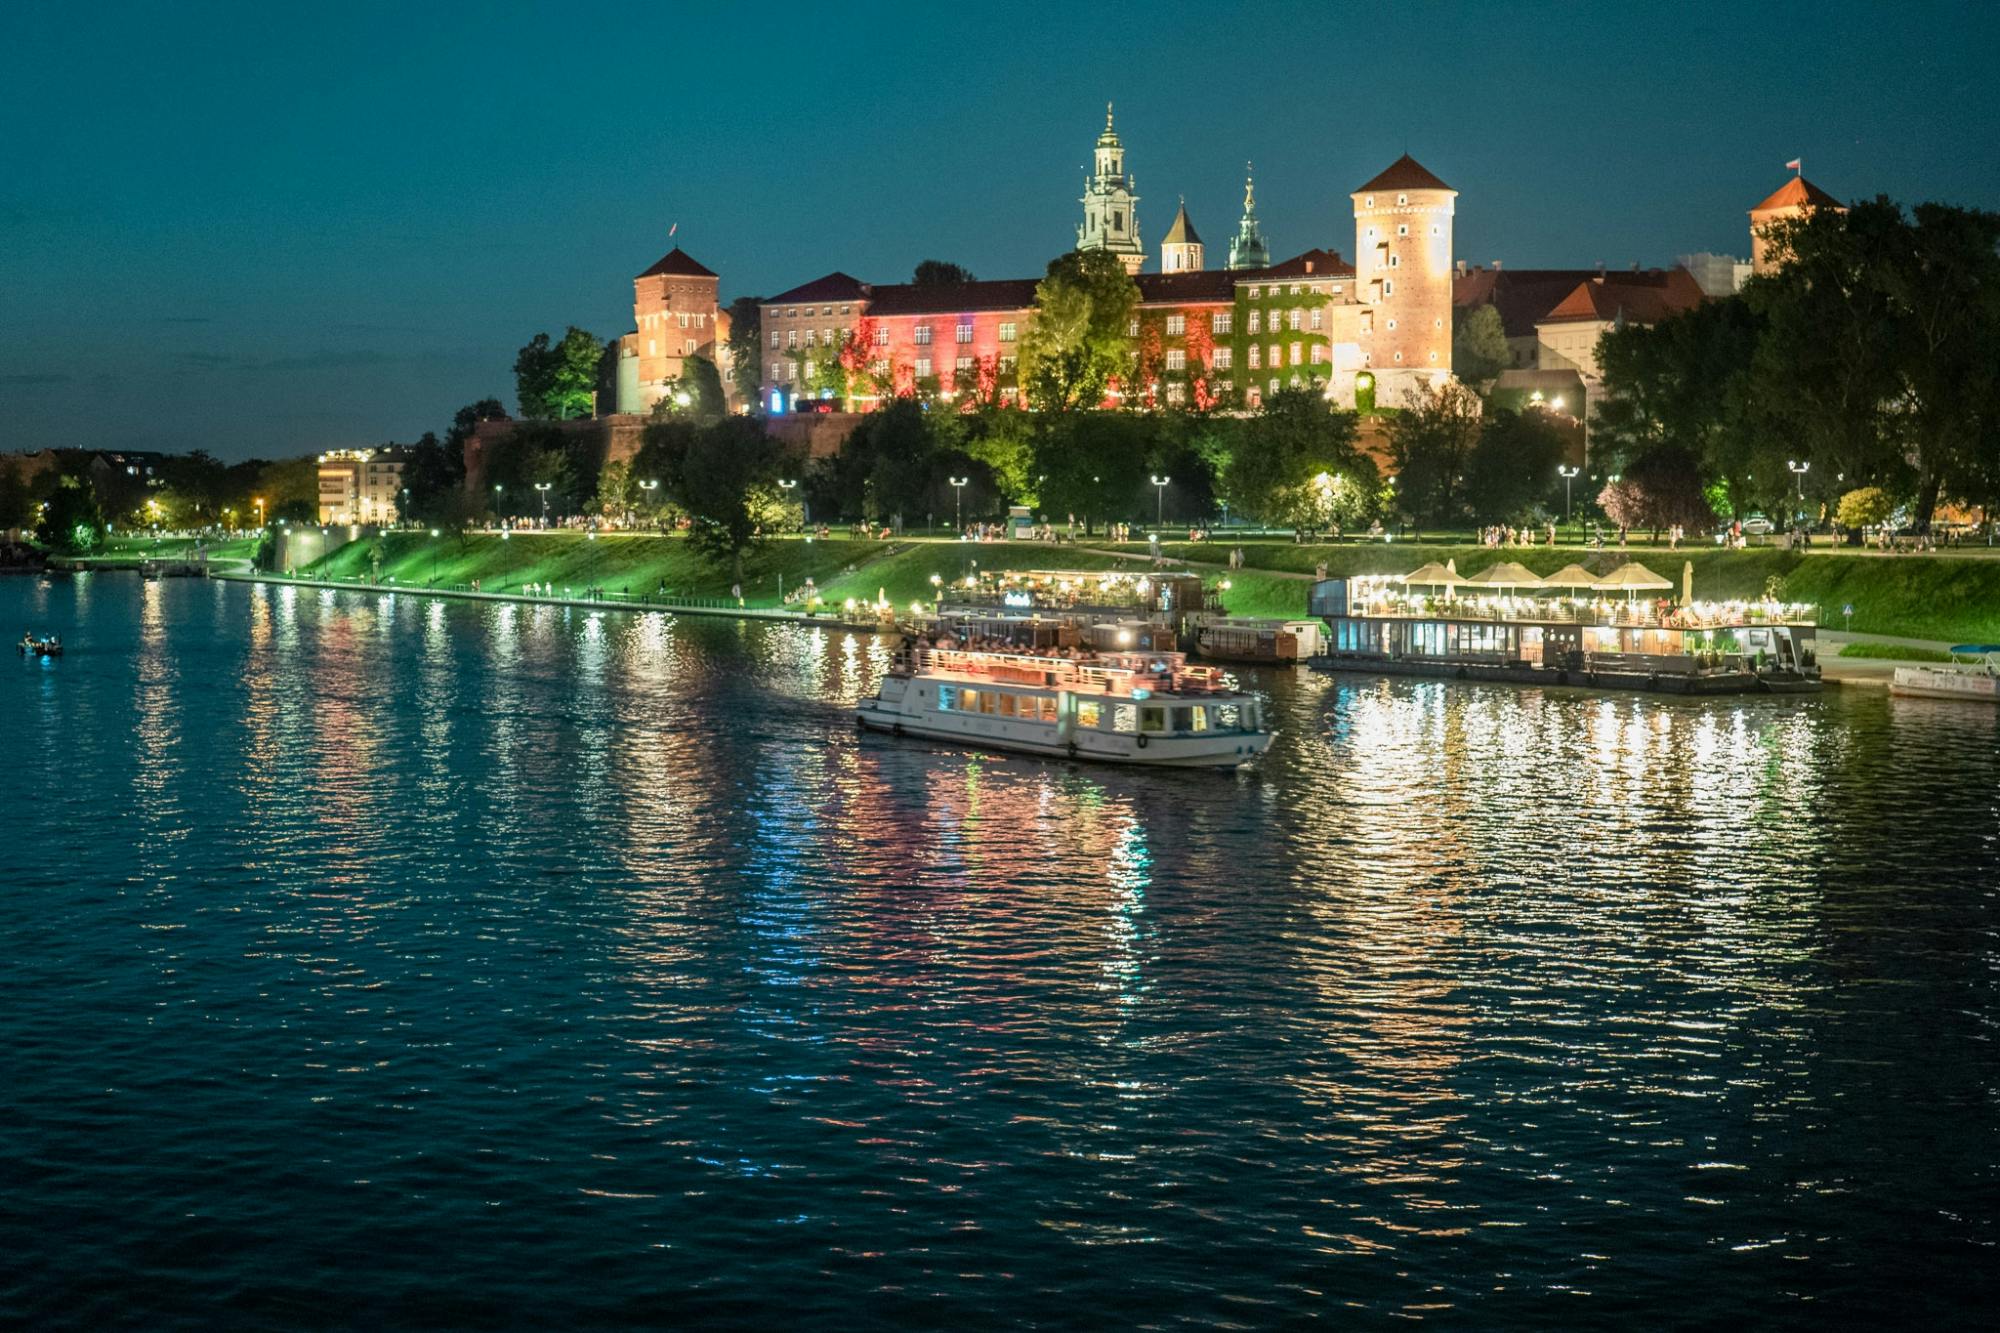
(1798, 471)
(434, 558)
(958, 502)
(788, 485)
(258, 500)
(649, 487)
(1569, 475)
(499, 517)
(1160, 494)
(543, 487)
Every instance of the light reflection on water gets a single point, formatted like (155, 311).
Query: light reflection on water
(553, 959)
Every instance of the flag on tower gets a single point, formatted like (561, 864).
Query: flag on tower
(1796, 165)
(671, 230)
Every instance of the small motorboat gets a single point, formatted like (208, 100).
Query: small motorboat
(30, 646)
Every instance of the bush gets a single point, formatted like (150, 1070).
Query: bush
(1864, 507)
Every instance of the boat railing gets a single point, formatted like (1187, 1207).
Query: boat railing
(1635, 615)
(1124, 674)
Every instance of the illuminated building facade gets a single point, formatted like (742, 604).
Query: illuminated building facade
(1110, 206)
(674, 317)
(360, 485)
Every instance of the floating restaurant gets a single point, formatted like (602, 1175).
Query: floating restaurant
(1573, 627)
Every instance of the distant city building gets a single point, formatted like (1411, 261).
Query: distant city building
(1795, 199)
(1246, 247)
(361, 485)
(1403, 269)
(1110, 206)
(1718, 275)
(675, 315)
(1180, 252)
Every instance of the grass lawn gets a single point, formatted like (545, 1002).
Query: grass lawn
(125, 546)
(1897, 652)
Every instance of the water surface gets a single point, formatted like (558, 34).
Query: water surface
(375, 958)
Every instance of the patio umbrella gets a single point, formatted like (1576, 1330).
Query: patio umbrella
(1633, 578)
(1687, 584)
(1506, 574)
(1573, 577)
(1433, 575)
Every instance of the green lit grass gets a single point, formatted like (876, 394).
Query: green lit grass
(1897, 652)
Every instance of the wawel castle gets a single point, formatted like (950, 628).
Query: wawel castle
(1364, 331)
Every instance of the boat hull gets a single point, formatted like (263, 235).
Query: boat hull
(1666, 682)
(1221, 750)
(1923, 683)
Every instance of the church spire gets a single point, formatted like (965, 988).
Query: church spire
(1110, 205)
(1247, 248)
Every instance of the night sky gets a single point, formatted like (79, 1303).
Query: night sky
(267, 229)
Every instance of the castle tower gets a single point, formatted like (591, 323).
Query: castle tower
(1110, 208)
(1246, 247)
(1402, 276)
(1181, 251)
(1796, 198)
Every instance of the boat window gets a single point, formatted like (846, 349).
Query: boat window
(1198, 718)
(1153, 719)
(1124, 717)
(1229, 717)
(987, 701)
(1184, 719)
(1007, 705)
(968, 701)
(1089, 713)
(947, 698)
(1048, 709)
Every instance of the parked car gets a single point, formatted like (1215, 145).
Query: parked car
(1756, 525)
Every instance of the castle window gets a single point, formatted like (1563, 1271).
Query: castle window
(1389, 287)
(1176, 394)
(1319, 353)
(1399, 356)
(1132, 327)
(1318, 313)
(965, 331)
(791, 370)
(1298, 355)
(1368, 201)
(1224, 322)
(1256, 357)
(923, 367)
(1223, 358)
(1176, 325)
(1255, 292)
(1402, 199)
(1277, 356)
(881, 335)
(1402, 231)
(812, 338)
(1295, 289)
(879, 367)
(1256, 317)
(828, 310)
(1006, 365)
(1336, 289)
(1007, 332)
(844, 310)
(923, 335)
(1392, 324)
(828, 338)
(963, 364)
(1274, 384)
(1395, 261)
(793, 313)
(1176, 359)
(791, 337)
(1292, 318)
(1117, 221)
(653, 346)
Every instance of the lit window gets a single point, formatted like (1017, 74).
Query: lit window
(812, 337)
(791, 337)
(1274, 384)
(1256, 326)
(1318, 313)
(1256, 357)
(1006, 365)
(1292, 319)
(828, 338)
(1402, 199)
(1392, 323)
(923, 335)
(1297, 355)
(1318, 353)
(827, 310)
(1089, 713)
(1223, 358)
(881, 335)
(1007, 332)
(1224, 322)
(1395, 261)
(1255, 293)
(1132, 327)
(774, 337)
(1176, 394)
(1295, 289)
(963, 364)
(923, 367)
(1124, 717)
(1176, 325)
(965, 332)
(1176, 359)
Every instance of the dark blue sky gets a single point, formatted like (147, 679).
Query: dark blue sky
(266, 229)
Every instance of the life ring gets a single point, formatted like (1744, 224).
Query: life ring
(1142, 742)
(1072, 749)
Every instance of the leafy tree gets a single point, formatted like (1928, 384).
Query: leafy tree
(618, 492)
(72, 523)
(290, 490)
(1075, 343)
(702, 383)
(434, 477)
(1431, 442)
(724, 474)
(1479, 348)
(1296, 463)
(1095, 464)
(1659, 489)
(17, 499)
(558, 381)
(1513, 467)
(746, 348)
(466, 420)
(938, 273)
(1865, 507)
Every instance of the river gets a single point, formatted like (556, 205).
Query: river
(385, 959)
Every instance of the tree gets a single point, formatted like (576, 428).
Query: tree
(466, 420)
(1660, 489)
(1431, 441)
(746, 347)
(937, 273)
(558, 381)
(1295, 463)
(1002, 440)
(1094, 464)
(1075, 342)
(702, 383)
(17, 501)
(618, 492)
(1513, 466)
(433, 477)
(1865, 507)
(289, 488)
(724, 474)
(1479, 348)
(72, 522)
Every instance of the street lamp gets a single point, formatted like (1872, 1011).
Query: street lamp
(958, 502)
(1798, 471)
(1568, 475)
(543, 487)
(498, 516)
(434, 557)
(788, 485)
(1160, 493)
(258, 500)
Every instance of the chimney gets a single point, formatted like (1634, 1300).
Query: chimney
(1459, 268)
(1496, 266)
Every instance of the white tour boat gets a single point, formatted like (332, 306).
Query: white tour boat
(1125, 708)
(1980, 684)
